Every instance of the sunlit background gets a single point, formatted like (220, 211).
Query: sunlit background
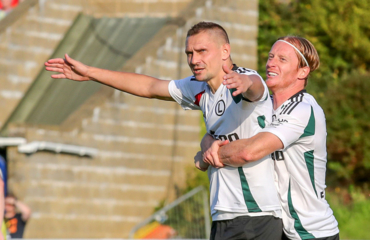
(93, 162)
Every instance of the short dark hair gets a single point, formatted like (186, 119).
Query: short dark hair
(204, 26)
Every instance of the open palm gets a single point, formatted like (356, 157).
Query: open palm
(67, 68)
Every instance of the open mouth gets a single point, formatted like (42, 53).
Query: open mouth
(272, 74)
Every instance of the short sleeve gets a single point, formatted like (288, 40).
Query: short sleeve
(182, 92)
(289, 128)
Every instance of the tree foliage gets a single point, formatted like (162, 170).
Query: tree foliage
(340, 32)
(338, 29)
(348, 130)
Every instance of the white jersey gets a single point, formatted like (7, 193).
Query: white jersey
(301, 166)
(247, 190)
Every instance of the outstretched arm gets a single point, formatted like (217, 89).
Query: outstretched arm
(239, 152)
(136, 84)
(250, 86)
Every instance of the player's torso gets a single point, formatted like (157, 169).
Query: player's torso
(231, 118)
(301, 169)
(239, 189)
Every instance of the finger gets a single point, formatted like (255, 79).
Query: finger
(70, 60)
(237, 92)
(230, 75)
(59, 65)
(229, 81)
(223, 143)
(217, 161)
(226, 69)
(53, 65)
(54, 69)
(209, 160)
(58, 76)
(55, 60)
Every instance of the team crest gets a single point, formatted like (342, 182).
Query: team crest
(220, 108)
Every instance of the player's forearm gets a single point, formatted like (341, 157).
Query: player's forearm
(206, 142)
(136, 84)
(240, 152)
(233, 154)
(256, 90)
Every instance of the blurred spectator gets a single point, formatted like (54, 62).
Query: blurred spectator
(15, 221)
(6, 6)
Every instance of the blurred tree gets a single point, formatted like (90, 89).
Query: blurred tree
(348, 130)
(340, 32)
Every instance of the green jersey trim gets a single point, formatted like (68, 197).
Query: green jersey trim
(236, 98)
(308, 157)
(297, 222)
(310, 128)
(248, 197)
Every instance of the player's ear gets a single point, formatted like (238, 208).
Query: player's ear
(225, 51)
(303, 72)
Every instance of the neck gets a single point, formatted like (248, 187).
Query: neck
(282, 95)
(216, 82)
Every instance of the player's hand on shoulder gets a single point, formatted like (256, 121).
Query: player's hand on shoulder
(68, 68)
(240, 82)
(198, 162)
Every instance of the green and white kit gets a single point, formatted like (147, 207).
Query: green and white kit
(247, 190)
(301, 167)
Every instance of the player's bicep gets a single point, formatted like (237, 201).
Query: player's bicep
(159, 90)
(290, 127)
(263, 144)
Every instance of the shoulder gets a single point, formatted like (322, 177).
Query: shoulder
(243, 70)
(296, 105)
(189, 82)
(296, 110)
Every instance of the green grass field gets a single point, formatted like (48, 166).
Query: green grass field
(352, 210)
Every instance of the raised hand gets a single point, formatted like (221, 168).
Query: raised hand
(240, 82)
(68, 68)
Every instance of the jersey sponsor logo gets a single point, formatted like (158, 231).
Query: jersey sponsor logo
(277, 121)
(231, 137)
(277, 156)
(220, 108)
